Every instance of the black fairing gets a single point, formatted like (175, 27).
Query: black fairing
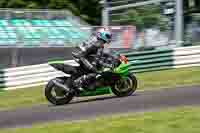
(68, 69)
(108, 78)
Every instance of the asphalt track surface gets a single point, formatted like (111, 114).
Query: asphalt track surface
(86, 109)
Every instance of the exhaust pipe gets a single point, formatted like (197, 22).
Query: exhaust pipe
(61, 86)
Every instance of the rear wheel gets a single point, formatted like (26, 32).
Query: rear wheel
(126, 86)
(55, 95)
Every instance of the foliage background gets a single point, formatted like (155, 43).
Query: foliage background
(90, 10)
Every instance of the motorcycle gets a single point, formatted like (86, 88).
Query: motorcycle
(119, 80)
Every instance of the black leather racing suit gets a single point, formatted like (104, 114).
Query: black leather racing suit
(91, 47)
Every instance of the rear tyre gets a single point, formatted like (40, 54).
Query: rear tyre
(125, 86)
(55, 95)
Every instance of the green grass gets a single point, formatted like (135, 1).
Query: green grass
(182, 120)
(148, 80)
(169, 78)
(21, 97)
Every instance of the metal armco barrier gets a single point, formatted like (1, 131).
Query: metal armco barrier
(35, 75)
(164, 59)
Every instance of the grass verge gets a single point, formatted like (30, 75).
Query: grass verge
(182, 120)
(149, 80)
(169, 78)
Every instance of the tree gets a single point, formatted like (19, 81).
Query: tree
(89, 10)
(145, 17)
(15, 4)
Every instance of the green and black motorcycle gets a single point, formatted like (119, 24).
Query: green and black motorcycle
(119, 80)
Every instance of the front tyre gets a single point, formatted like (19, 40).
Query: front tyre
(126, 86)
(55, 95)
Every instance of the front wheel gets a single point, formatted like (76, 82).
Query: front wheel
(55, 95)
(126, 86)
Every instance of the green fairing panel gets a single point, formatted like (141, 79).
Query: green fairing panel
(55, 62)
(122, 69)
(98, 91)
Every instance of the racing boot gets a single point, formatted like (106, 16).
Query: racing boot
(78, 83)
(85, 81)
(89, 81)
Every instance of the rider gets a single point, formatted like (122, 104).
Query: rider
(94, 46)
